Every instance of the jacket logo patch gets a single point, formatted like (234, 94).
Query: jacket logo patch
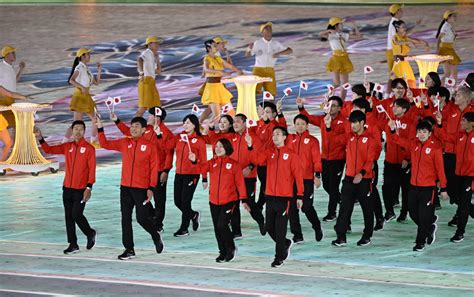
(285, 156)
(143, 147)
(147, 131)
(306, 140)
(71, 150)
(404, 126)
(339, 122)
(364, 140)
(472, 140)
(294, 140)
(215, 165)
(234, 139)
(83, 150)
(454, 115)
(228, 166)
(194, 140)
(352, 138)
(461, 139)
(416, 149)
(428, 150)
(273, 156)
(130, 145)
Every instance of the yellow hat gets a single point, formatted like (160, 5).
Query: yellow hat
(82, 51)
(151, 39)
(7, 49)
(219, 39)
(448, 13)
(394, 8)
(334, 21)
(267, 24)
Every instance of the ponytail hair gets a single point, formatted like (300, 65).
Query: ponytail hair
(440, 26)
(398, 24)
(208, 44)
(328, 28)
(74, 65)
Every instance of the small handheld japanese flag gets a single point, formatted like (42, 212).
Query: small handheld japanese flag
(330, 87)
(380, 109)
(117, 100)
(251, 123)
(267, 96)
(417, 100)
(109, 102)
(368, 69)
(287, 91)
(449, 82)
(196, 109)
(327, 106)
(226, 108)
(184, 137)
(465, 84)
(346, 86)
(303, 85)
(421, 80)
(379, 88)
(158, 112)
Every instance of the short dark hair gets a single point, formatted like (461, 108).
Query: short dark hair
(424, 125)
(140, 120)
(402, 103)
(193, 119)
(337, 99)
(357, 116)
(242, 116)
(227, 146)
(78, 122)
(362, 104)
(283, 129)
(271, 105)
(430, 120)
(469, 116)
(397, 81)
(470, 80)
(301, 117)
(208, 44)
(163, 112)
(360, 90)
(444, 92)
(433, 91)
(398, 24)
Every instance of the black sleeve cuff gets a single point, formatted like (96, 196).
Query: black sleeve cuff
(151, 189)
(167, 170)
(212, 128)
(440, 126)
(117, 121)
(194, 162)
(100, 130)
(427, 106)
(392, 131)
(250, 148)
(442, 190)
(41, 141)
(280, 115)
(204, 180)
(363, 172)
(300, 108)
(317, 174)
(244, 200)
(89, 186)
(328, 129)
(267, 121)
(159, 136)
(251, 166)
(299, 197)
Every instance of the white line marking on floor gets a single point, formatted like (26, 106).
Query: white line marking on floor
(323, 276)
(35, 293)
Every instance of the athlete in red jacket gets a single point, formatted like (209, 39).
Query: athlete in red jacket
(187, 173)
(139, 178)
(165, 156)
(361, 151)
(80, 176)
(283, 171)
(242, 155)
(427, 168)
(307, 149)
(464, 149)
(333, 156)
(227, 186)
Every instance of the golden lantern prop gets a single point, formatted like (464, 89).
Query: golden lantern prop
(427, 63)
(246, 85)
(25, 155)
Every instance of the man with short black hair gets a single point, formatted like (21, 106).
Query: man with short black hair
(139, 179)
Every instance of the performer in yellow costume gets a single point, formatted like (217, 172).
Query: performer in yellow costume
(401, 48)
(339, 63)
(81, 101)
(215, 94)
(148, 67)
(445, 47)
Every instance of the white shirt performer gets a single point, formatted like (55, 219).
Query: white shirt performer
(8, 79)
(396, 11)
(266, 51)
(148, 67)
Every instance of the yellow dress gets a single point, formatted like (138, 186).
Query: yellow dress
(215, 92)
(339, 61)
(7, 115)
(3, 123)
(402, 69)
(148, 95)
(81, 102)
(447, 49)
